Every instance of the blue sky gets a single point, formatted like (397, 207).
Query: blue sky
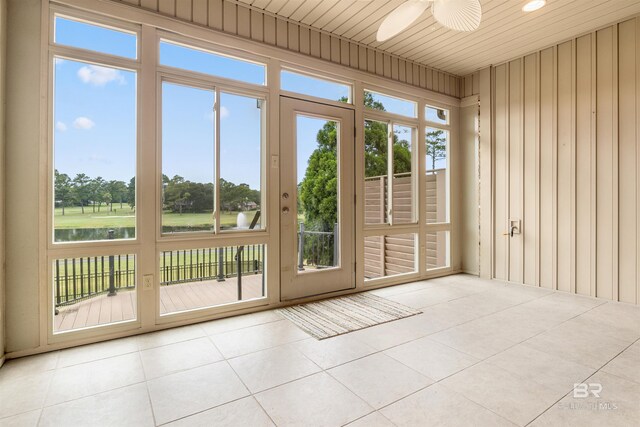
(95, 113)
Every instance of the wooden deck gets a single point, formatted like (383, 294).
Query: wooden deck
(102, 309)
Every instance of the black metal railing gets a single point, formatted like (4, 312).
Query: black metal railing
(319, 248)
(78, 278)
(210, 264)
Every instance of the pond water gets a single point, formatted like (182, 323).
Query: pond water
(86, 234)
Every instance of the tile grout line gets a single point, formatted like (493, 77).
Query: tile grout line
(591, 375)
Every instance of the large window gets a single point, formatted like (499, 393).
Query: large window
(188, 158)
(437, 142)
(160, 167)
(94, 128)
(390, 187)
(201, 61)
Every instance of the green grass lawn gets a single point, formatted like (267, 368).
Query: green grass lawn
(125, 217)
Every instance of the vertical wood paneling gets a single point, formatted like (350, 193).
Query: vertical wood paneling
(604, 169)
(335, 50)
(379, 67)
(627, 166)
(215, 14)
(314, 43)
(577, 124)
(386, 66)
(149, 4)
(257, 26)
(183, 10)
(486, 166)
(371, 60)
(282, 33)
(168, 7)
(354, 56)
(345, 54)
(269, 29)
(565, 164)
(249, 21)
(200, 12)
(230, 23)
(325, 46)
(294, 37)
(402, 71)
(362, 58)
(244, 22)
(530, 148)
(637, 25)
(305, 40)
(547, 86)
(515, 167)
(501, 172)
(584, 116)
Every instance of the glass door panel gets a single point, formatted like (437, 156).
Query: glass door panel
(316, 177)
(317, 183)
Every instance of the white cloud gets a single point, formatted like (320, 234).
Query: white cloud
(100, 76)
(61, 126)
(84, 123)
(224, 113)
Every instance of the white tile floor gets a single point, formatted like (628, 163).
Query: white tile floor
(482, 353)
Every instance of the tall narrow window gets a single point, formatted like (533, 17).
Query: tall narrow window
(188, 158)
(436, 149)
(376, 156)
(241, 135)
(94, 120)
(403, 191)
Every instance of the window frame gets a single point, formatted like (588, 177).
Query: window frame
(445, 226)
(314, 74)
(152, 27)
(217, 88)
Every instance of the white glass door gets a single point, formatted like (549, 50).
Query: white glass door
(317, 198)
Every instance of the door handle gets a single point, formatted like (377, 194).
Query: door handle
(511, 232)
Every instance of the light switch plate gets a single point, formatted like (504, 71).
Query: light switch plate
(147, 282)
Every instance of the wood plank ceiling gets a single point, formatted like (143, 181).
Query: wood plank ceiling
(505, 32)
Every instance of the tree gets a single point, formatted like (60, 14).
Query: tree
(436, 146)
(97, 190)
(131, 193)
(63, 189)
(81, 189)
(319, 188)
(118, 191)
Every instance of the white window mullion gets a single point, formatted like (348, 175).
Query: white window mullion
(390, 173)
(216, 142)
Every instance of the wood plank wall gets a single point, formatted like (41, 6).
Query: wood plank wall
(566, 162)
(258, 25)
(3, 30)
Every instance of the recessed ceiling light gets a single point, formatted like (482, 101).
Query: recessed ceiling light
(533, 5)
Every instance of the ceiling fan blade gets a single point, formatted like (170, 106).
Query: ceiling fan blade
(402, 16)
(459, 15)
